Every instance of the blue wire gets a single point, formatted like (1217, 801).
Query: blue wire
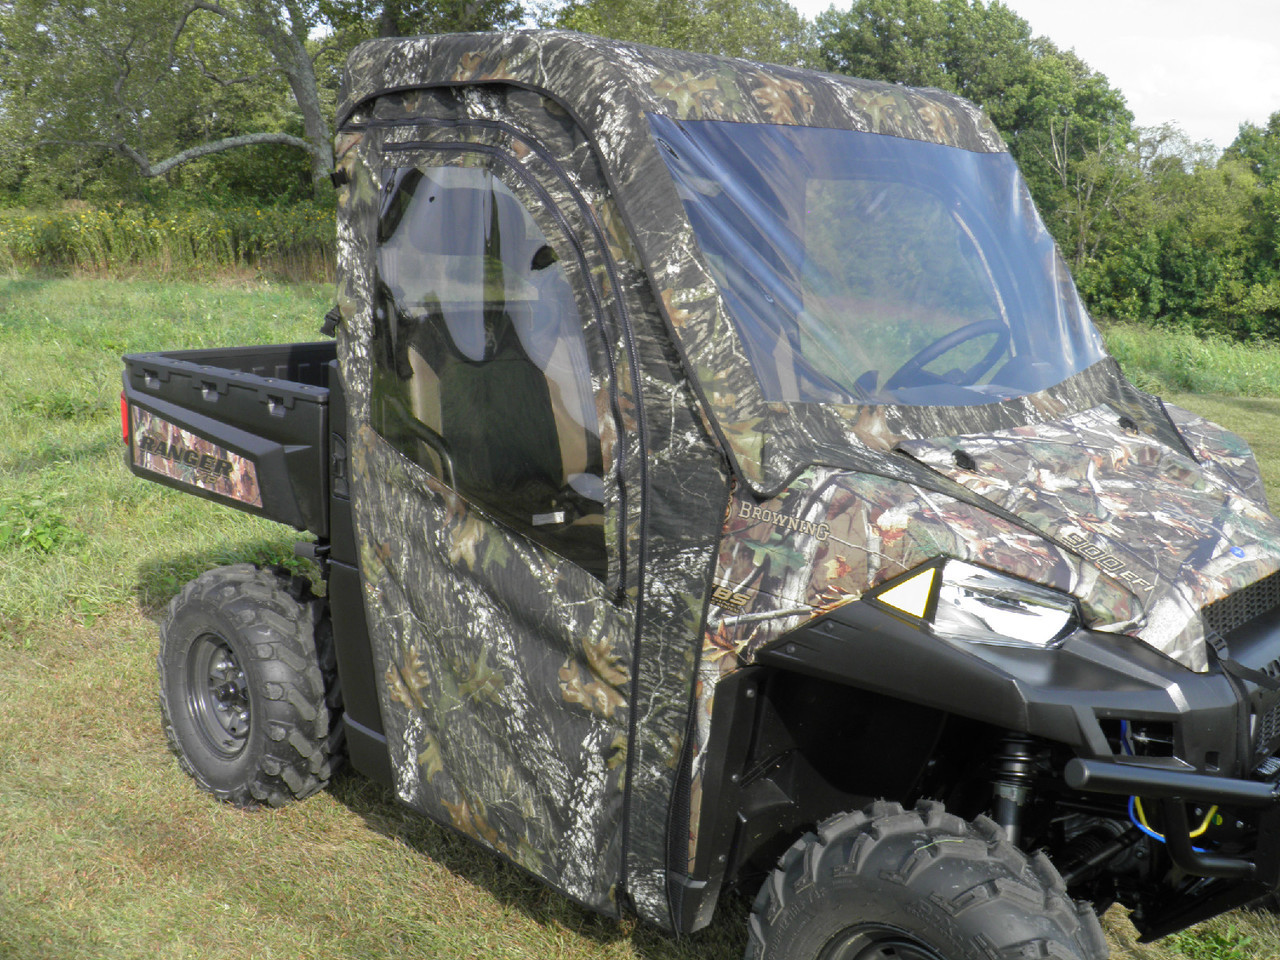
(1133, 812)
(1133, 818)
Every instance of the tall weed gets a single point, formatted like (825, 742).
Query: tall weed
(1170, 360)
(292, 242)
(29, 524)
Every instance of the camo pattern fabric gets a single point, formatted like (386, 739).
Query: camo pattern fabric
(1180, 536)
(515, 707)
(165, 448)
(509, 725)
(1223, 452)
(1074, 488)
(834, 535)
(609, 87)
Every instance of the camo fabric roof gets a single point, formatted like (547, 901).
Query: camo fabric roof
(609, 88)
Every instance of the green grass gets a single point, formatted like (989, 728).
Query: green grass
(106, 849)
(1234, 384)
(71, 517)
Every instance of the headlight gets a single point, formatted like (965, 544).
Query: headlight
(961, 601)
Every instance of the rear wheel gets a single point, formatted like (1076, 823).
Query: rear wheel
(892, 884)
(248, 689)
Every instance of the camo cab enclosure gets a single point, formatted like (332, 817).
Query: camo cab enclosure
(663, 366)
(724, 473)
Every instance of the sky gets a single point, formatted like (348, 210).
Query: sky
(1205, 65)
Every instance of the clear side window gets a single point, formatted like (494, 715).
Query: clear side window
(481, 373)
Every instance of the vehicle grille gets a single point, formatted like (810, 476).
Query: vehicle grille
(1268, 735)
(1248, 603)
(1228, 615)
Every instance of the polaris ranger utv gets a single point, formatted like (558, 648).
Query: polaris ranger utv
(719, 484)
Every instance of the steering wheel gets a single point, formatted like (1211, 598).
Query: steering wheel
(970, 331)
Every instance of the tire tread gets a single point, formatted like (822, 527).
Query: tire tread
(968, 875)
(286, 635)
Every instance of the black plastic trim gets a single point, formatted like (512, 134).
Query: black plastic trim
(1059, 694)
(286, 497)
(368, 753)
(267, 403)
(733, 723)
(342, 533)
(352, 646)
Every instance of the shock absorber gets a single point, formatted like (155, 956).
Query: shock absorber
(1014, 767)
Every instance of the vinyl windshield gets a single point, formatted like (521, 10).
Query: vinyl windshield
(863, 268)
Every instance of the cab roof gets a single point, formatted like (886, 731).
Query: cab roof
(609, 86)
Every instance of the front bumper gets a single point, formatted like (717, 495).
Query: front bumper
(1217, 730)
(1174, 788)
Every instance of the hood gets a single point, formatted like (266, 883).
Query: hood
(1177, 528)
(1146, 530)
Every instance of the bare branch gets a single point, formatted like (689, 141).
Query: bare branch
(174, 37)
(179, 28)
(213, 8)
(226, 143)
(148, 169)
(126, 70)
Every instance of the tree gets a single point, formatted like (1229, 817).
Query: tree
(1072, 134)
(396, 18)
(1063, 121)
(771, 31)
(134, 78)
(984, 53)
(1185, 242)
(1259, 147)
(159, 83)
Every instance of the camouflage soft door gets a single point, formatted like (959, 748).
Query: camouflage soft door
(487, 506)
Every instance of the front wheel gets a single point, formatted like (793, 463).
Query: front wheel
(894, 884)
(248, 689)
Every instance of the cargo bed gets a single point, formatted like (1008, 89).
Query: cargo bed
(243, 426)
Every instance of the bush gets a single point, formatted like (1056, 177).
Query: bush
(1172, 360)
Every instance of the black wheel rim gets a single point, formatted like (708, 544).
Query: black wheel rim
(876, 942)
(218, 696)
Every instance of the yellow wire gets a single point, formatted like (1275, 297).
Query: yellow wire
(1208, 818)
(1142, 817)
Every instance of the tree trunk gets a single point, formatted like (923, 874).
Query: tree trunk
(287, 43)
(302, 80)
(388, 23)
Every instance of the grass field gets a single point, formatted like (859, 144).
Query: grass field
(106, 849)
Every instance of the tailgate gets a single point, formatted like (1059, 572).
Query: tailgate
(247, 426)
